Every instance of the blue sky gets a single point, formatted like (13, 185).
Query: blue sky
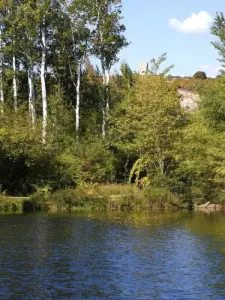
(186, 41)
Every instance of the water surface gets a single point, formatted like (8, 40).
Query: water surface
(113, 256)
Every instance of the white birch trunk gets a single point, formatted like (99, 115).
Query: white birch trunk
(78, 97)
(103, 122)
(43, 83)
(31, 94)
(105, 107)
(14, 84)
(107, 91)
(1, 72)
(104, 104)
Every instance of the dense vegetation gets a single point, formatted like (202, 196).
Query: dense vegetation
(65, 124)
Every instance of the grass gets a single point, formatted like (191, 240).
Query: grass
(11, 204)
(93, 197)
(107, 198)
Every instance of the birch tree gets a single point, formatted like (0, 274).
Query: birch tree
(107, 43)
(8, 44)
(28, 47)
(1, 65)
(12, 21)
(45, 13)
(43, 74)
(78, 13)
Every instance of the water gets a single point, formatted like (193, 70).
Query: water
(113, 256)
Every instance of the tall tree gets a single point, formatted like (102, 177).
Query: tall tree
(43, 29)
(28, 32)
(79, 16)
(148, 123)
(1, 63)
(46, 13)
(9, 41)
(107, 43)
(13, 45)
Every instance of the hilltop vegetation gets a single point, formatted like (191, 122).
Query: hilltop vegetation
(65, 123)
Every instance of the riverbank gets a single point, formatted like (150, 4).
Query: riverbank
(94, 198)
(12, 204)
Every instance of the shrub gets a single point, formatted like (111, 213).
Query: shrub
(200, 75)
(154, 197)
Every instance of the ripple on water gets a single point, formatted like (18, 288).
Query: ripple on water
(150, 256)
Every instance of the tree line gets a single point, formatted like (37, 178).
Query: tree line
(64, 122)
(47, 43)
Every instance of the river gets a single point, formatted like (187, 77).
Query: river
(113, 256)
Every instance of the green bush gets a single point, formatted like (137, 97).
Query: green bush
(153, 197)
(75, 199)
(200, 75)
(10, 205)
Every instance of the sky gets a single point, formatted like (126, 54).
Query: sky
(180, 28)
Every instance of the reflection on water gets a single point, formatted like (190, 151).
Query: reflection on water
(113, 256)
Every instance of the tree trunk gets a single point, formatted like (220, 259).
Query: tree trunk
(78, 97)
(105, 107)
(14, 84)
(1, 72)
(107, 91)
(103, 121)
(31, 94)
(43, 83)
(104, 103)
(162, 167)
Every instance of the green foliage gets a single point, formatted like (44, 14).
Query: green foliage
(200, 75)
(148, 123)
(213, 104)
(108, 39)
(158, 197)
(204, 138)
(10, 205)
(218, 29)
(75, 200)
(155, 65)
(169, 157)
(107, 197)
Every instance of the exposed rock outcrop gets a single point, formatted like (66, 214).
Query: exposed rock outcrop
(189, 99)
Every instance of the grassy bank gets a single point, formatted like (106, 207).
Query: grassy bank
(106, 198)
(94, 198)
(12, 204)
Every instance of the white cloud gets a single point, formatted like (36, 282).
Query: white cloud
(196, 23)
(210, 70)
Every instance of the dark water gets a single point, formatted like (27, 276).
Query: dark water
(146, 256)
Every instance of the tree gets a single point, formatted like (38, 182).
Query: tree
(107, 42)
(28, 33)
(200, 75)
(218, 29)
(1, 53)
(127, 74)
(79, 15)
(10, 39)
(204, 138)
(148, 123)
(46, 12)
(155, 65)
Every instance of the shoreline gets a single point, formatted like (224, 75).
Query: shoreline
(103, 198)
(116, 198)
